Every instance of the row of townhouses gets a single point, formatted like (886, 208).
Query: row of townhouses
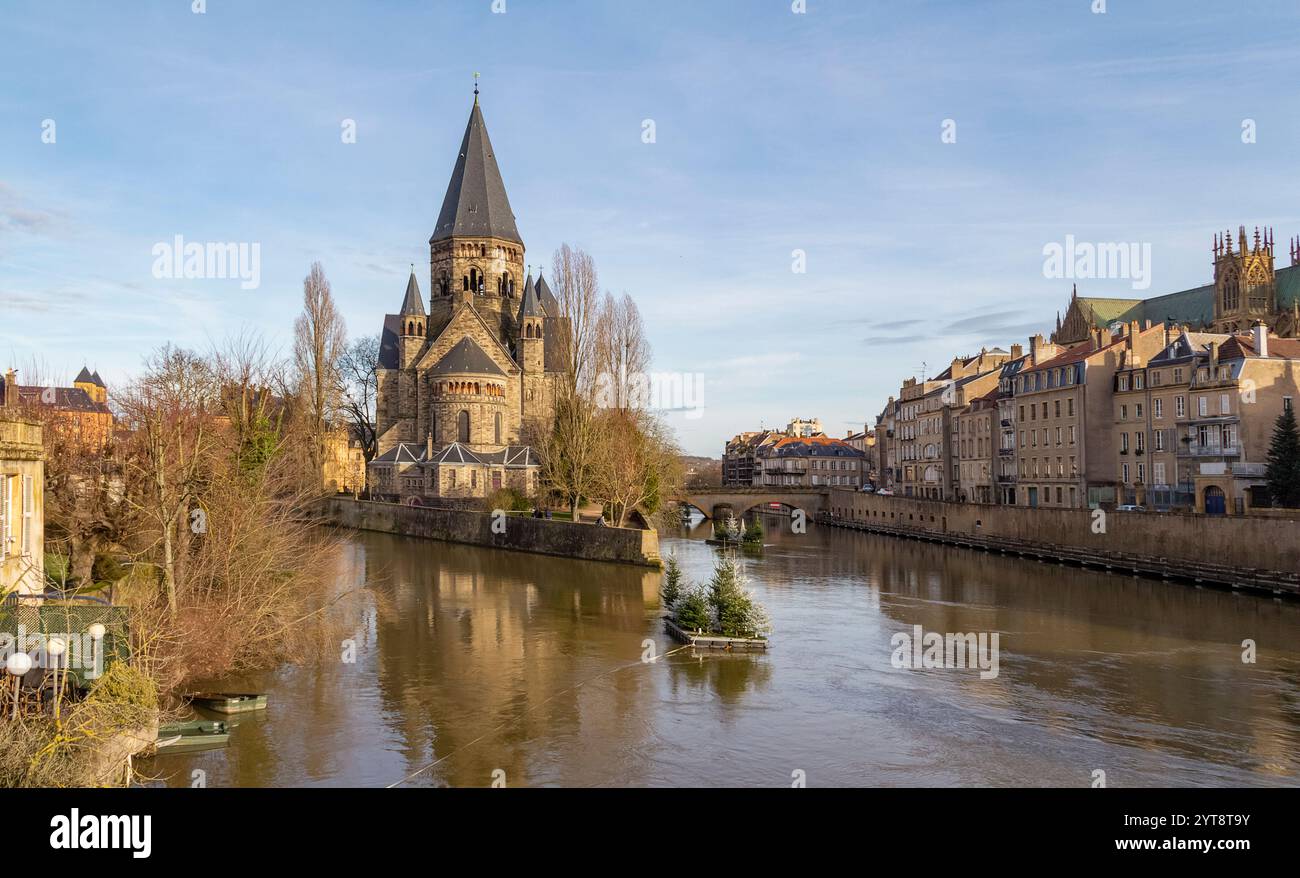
(1168, 402)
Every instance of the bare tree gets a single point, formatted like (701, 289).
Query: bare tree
(169, 412)
(577, 289)
(359, 389)
(319, 340)
(622, 354)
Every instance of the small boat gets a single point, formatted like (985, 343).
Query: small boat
(230, 702)
(190, 736)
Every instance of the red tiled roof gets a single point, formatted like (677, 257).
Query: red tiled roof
(1244, 346)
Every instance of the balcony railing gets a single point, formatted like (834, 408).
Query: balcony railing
(1194, 450)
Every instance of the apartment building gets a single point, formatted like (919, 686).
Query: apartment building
(811, 461)
(978, 435)
(1194, 426)
(1066, 455)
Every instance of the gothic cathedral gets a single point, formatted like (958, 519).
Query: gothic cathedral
(463, 384)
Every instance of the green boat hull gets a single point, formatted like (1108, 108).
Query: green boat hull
(191, 736)
(230, 703)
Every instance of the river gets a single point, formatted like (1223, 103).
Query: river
(474, 666)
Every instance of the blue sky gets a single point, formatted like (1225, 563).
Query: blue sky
(774, 132)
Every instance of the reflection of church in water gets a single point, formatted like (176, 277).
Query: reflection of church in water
(1247, 288)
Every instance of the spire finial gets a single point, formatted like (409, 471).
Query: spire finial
(476, 89)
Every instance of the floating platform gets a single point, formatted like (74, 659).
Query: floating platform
(714, 641)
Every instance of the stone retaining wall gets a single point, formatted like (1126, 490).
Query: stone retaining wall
(518, 532)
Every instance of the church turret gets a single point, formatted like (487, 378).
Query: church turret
(531, 322)
(414, 322)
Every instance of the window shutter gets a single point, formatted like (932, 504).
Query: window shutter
(5, 510)
(29, 503)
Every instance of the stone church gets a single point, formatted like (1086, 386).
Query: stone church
(465, 381)
(1247, 289)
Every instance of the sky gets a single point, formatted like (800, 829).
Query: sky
(833, 200)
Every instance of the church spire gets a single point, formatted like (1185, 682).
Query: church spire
(413, 304)
(476, 204)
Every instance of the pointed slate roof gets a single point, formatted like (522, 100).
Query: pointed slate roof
(455, 453)
(466, 356)
(414, 302)
(549, 302)
(94, 376)
(83, 377)
(476, 202)
(531, 306)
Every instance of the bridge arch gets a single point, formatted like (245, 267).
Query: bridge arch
(741, 501)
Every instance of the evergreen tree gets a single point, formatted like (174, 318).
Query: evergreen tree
(691, 612)
(671, 590)
(1283, 472)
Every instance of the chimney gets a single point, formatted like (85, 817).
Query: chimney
(1260, 332)
(428, 446)
(1214, 357)
(1035, 348)
(1017, 351)
(10, 397)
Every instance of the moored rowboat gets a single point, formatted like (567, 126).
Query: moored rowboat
(190, 736)
(230, 702)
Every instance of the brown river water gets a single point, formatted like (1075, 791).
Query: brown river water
(474, 665)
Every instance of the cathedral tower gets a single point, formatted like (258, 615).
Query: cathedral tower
(475, 253)
(1245, 289)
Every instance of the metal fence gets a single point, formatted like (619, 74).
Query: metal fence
(29, 624)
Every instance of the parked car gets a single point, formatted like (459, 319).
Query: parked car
(868, 489)
(885, 492)
(1130, 507)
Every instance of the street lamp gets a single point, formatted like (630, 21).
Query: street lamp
(16, 666)
(97, 632)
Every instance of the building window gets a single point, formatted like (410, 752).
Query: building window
(1180, 406)
(1160, 408)
(1202, 406)
(498, 428)
(462, 427)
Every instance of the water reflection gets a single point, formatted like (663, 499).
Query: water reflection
(471, 661)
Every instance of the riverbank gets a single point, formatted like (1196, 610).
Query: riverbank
(1255, 554)
(620, 545)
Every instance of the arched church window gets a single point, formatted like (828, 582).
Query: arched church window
(1231, 292)
(498, 428)
(464, 279)
(462, 427)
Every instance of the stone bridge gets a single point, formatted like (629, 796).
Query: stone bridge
(712, 501)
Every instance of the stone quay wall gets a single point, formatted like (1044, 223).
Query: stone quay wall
(519, 533)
